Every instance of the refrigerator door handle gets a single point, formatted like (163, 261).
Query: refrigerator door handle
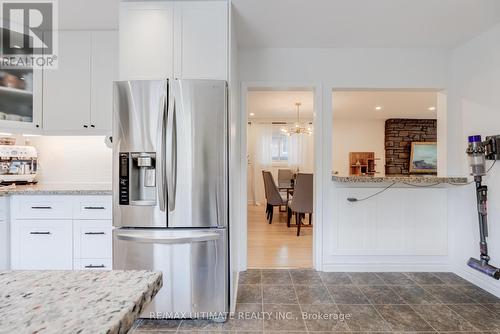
(160, 169)
(172, 153)
(159, 239)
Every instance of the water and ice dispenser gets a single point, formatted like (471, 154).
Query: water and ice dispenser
(138, 178)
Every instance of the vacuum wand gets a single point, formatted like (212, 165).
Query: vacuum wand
(478, 151)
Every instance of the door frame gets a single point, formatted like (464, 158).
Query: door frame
(321, 165)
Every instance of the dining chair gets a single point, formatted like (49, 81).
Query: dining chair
(273, 196)
(285, 177)
(302, 200)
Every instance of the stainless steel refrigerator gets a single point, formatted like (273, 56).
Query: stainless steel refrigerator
(170, 191)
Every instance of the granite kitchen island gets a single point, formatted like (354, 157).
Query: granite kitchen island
(74, 301)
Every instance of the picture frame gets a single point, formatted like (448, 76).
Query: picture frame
(423, 158)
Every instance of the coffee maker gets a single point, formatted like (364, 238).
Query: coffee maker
(18, 164)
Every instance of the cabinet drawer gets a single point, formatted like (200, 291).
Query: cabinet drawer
(92, 207)
(92, 239)
(93, 264)
(38, 245)
(42, 207)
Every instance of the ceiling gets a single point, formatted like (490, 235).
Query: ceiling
(395, 104)
(362, 23)
(359, 105)
(279, 105)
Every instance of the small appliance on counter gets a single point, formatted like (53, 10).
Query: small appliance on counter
(18, 164)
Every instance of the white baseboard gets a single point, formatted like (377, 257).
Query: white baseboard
(481, 280)
(385, 267)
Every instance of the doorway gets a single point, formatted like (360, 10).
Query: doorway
(280, 166)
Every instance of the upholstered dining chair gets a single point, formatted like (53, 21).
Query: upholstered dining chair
(284, 179)
(273, 196)
(302, 201)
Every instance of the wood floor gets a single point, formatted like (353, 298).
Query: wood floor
(275, 245)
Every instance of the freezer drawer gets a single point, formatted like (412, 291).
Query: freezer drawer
(194, 266)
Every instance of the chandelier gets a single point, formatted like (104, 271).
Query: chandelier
(298, 128)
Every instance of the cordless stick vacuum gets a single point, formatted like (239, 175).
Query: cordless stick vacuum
(478, 151)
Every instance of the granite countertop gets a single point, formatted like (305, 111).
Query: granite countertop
(74, 301)
(423, 180)
(57, 189)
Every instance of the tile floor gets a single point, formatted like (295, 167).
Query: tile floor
(291, 301)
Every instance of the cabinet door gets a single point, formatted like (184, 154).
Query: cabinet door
(201, 39)
(92, 239)
(104, 72)
(39, 244)
(145, 40)
(66, 90)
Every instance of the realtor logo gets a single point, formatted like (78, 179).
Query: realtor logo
(28, 38)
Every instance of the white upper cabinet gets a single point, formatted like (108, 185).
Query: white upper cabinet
(66, 90)
(104, 72)
(200, 39)
(78, 95)
(180, 39)
(145, 40)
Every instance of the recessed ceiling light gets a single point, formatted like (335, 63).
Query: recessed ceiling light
(432, 108)
(378, 108)
(252, 114)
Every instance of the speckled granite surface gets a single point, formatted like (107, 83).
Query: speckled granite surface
(400, 179)
(57, 189)
(74, 301)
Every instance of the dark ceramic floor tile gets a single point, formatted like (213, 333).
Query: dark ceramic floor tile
(279, 294)
(283, 318)
(380, 294)
(403, 318)
(313, 294)
(347, 294)
(425, 278)
(305, 276)
(323, 318)
(448, 295)
(396, 279)
(249, 293)
(442, 318)
(477, 294)
(158, 324)
(200, 325)
(276, 277)
(364, 318)
(413, 294)
(247, 317)
(451, 278)
(366, 279)
(478, 316)
(335, 278)
(251, 276)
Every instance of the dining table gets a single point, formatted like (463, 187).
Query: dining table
(286, 186)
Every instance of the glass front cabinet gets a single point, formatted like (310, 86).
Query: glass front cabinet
(20, 99)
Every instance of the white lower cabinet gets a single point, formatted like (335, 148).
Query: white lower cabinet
(42, 244)
(45, 241)
(92, 244)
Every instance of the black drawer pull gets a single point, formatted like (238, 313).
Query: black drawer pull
(94, 233)
(91, 266)
(42, 207)
(94, 207)
(44, 233)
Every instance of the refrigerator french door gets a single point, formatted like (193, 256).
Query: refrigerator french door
(170, 191)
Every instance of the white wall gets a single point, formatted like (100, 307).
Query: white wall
(325, 69)
(73, 159)
(474, 108)
(352, 135)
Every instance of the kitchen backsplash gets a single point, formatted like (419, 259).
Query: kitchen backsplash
(72, 159)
